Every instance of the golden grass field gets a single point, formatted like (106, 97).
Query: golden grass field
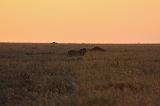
(43, 75)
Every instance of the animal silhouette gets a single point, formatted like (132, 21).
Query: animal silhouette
(80, 52)
(97, 49)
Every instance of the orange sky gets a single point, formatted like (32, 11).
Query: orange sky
(80, 21)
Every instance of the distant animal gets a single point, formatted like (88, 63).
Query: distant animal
(54, 43)
(97, 49)
(80, 52)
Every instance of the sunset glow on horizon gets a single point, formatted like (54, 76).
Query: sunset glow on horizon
(80, 21)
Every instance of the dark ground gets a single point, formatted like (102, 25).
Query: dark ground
(43, 75)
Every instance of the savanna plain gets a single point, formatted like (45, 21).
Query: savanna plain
(44, 75)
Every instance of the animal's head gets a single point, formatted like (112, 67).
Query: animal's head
(83, 50)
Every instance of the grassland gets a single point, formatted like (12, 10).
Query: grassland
(43, 75)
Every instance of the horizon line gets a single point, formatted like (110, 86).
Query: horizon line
(70, 43)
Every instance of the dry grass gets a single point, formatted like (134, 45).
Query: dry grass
(43, 75)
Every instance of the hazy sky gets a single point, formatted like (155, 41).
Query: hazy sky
(93, 21)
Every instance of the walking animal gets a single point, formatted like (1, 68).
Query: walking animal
(80, 52)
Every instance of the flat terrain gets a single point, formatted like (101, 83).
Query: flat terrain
(43, 75)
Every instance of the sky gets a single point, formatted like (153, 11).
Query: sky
(80, 21)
